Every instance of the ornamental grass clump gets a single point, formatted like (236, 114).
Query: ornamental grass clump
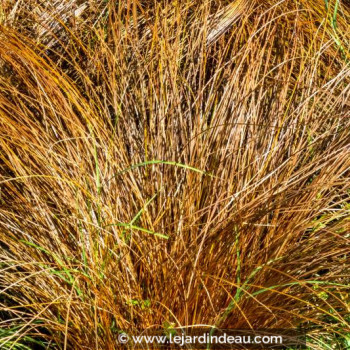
(173, 163)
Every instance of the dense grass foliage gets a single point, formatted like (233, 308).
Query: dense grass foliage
(171, 163)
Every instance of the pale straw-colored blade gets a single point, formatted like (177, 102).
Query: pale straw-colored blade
(223, 20)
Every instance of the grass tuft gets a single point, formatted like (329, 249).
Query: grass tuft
(173, 163)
